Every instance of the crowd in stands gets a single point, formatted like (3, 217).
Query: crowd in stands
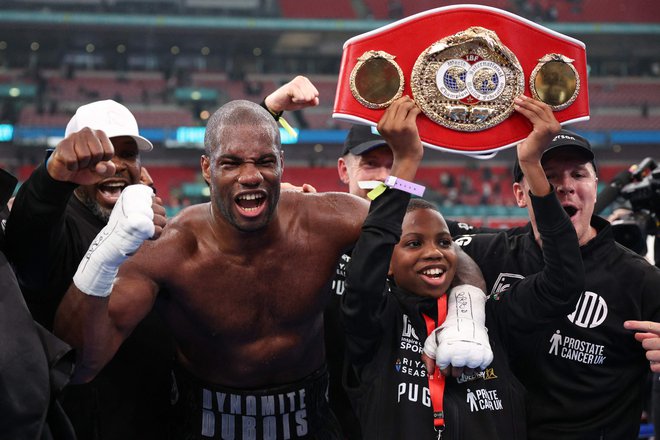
(617, 103)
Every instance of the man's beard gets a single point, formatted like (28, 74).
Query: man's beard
(227, 213)
(97, 210)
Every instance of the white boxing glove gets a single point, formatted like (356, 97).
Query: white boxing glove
(130, 223)
(462, 340)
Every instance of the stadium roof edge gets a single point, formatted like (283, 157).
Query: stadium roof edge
(275, 24)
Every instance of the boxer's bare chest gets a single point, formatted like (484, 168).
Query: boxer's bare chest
(280, 285)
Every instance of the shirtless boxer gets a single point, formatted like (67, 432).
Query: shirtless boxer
(241, 282)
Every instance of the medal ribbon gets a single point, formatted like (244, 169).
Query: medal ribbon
(437, 380)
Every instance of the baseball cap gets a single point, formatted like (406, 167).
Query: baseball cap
(111, 117)
(361, 139)
(564, 140)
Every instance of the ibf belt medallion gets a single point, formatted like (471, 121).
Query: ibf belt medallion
(376, 80)
(467, 81)
(555, 81)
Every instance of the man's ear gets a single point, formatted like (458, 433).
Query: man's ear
(342, 170)
(519, 194)
(205, 163)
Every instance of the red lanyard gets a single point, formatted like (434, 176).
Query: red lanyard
(437, 380)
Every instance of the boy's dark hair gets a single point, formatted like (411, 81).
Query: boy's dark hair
(416, 204)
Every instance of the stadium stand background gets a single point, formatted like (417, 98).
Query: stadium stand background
(172, 62)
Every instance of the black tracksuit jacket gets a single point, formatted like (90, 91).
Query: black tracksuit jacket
(335, 345)
(584, 373)
(385, 377)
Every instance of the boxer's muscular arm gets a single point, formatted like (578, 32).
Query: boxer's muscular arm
(97, 326)
(468, 271)
(89, 318)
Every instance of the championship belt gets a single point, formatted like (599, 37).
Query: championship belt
(463, 65)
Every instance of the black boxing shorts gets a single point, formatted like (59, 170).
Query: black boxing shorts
(296, 411)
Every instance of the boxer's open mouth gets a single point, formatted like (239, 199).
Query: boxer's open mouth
(250, 202)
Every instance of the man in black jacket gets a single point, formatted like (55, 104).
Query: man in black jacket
(34, 364)
(584, 373)
(56, 214)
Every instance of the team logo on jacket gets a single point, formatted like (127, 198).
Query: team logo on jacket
(590, 311)
(576, 350)
(487, 374)
(409, 339)
(483, 399)
(464, 226)
(463, 240)
(410, 367)
(339, 282)
(503, 283)
(408, 329)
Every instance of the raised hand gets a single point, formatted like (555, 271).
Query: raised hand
(297, 94)
(83, 158)
(398, 126)
(544, 128)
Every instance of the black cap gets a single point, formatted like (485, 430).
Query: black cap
(361, 139)
(564, 140)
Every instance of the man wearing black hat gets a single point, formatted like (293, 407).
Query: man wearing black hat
(584, 373)
(365, 157)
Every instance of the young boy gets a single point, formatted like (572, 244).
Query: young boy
(406, 251)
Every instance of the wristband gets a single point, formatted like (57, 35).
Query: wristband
(49, 154)
(377, 188)
(275, 115)
(278, 118)
(404, 185)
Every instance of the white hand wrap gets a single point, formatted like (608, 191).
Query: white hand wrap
(462, 340)
(131, 222)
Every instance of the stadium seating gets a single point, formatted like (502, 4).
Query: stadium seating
(322, 9)
(612, 11)
(618, 92)
(133, 87)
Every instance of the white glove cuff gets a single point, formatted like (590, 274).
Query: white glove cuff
(131, 222)
(462, 340)
(466, 302)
